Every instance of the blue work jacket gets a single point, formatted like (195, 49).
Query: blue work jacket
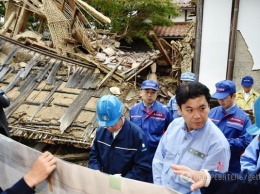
(204, 148)
(173, 107)
(233, 123)
(250, 159)
(126, 154)
(154, 123)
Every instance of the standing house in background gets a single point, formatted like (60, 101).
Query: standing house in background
(226, 43)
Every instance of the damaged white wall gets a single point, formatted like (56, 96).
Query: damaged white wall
(215, 41)
(249, 27)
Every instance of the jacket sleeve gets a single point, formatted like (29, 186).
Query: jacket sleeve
(94, 157)
(142, 163)
(19, 188)
(250, 157)
(217, 159)
(169, 117)
(240, 143)
(158, 159)
(243, 183)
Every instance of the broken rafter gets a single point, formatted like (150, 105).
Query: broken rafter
(160, 47)
(93, 12)
(109, 74)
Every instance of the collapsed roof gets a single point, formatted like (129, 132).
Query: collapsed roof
(55, 76)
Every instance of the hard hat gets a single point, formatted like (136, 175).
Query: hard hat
(188, 76)
(109, 110)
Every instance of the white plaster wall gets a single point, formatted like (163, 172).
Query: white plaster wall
(181, 18)
(215, 42)
(249, 27)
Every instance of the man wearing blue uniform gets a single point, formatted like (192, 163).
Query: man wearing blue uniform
(152, 116)
(232, 121)
(186, 78)
(191, 140)
(250, 159)
(119, 146)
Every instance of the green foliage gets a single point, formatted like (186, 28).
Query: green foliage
(135, 18)
(2, 9)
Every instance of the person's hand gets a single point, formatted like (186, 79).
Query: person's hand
(198, 177)
(40, 169)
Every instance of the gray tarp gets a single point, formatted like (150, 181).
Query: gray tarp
(16, 159)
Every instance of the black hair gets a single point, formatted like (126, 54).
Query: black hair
(231, 95)
(192, 90)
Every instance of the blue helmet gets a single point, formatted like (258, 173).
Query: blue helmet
(109, 110)
(188, 76)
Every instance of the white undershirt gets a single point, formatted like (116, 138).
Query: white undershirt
(246, 95)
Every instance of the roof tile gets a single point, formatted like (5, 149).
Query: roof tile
(176, 30)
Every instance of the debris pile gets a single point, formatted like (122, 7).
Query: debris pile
(57, 75)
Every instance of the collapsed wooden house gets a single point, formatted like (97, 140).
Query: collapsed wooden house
(55, 82)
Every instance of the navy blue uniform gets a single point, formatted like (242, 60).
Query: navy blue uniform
(127, 154)
(243, 183)
(19, 188)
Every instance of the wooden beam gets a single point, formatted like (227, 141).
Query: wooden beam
(198, 36)
(8, 23)
(160, 47)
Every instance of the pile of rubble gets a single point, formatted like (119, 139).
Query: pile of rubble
(53, 99)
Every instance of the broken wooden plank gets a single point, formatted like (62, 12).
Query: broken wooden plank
(4, 70)
(27, 88)
(75, 78)
(73, 157)
(139, 70)
(93, 11)
(109, 74)
(57, 85)
(92, 82)
(10, 56)
(8, 23)
(44, 71)
(80, 35)
(36, 58)
(91, 127)
(74, 109)
(14, 81)
(86, 78)
(51, 78)
(2, 43)
(161, 48)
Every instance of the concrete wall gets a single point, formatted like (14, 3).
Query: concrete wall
(244, 64)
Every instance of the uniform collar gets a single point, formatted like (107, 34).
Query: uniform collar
(231, 110)
(194, 131)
